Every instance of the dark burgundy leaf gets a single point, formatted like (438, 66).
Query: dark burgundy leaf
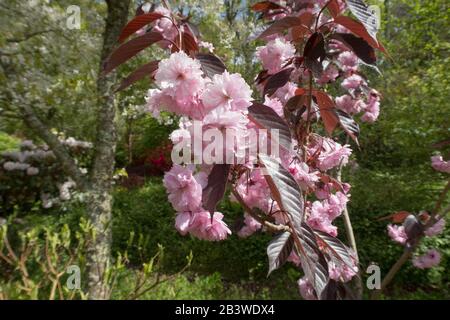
(145, 70)
(138, 23)
(266, 118)
(334, 248)
(283, 24)
(315, 66)
(190, 44)
(349, 125)
(359, 46)
(334, 8)
(265, 6)
(413, 228)
(327, 111)
(277, 81)
(215, 190)
(359, 30)
(279, 250)
(211, 64)
(284, 190)
(315, 47)
(313, 261)
(130, 49)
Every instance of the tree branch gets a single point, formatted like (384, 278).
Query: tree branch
(410, 250)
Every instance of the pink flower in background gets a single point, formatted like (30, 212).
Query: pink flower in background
(436, 229)
(286, 92)
(348, 104)
(185, 192)
(250, 227)
(353, 82)
(275, 54)
(275, 104)
(429, 260)
(329, 75)
(320, 219)
(372, 109)
(228, 92)
(331, 153)
(165, 25)
(438, 163)
(397, 233)
(306, 289)
(341, 272)
(205, 228)
(349, 61)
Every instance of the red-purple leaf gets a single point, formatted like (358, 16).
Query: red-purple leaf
(265, 6)
(334, 8)
(315, 47)
(279, 250)
(146, 70)
(190, 44)
(284, 190)
(138, 23)
(130, 49)
(359, 46)
(327, 111)
(215, 190)
(211, 64)
(277, 81)
(283, 24)
(313, 261)
(266, 118)
(334, 248)
(359, 30)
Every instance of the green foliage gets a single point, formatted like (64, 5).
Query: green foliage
(8, 142)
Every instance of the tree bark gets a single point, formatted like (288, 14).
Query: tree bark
(99, 196)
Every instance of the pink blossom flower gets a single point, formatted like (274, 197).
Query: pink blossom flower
(250, 227)
(185, 193)
(429, 260)
(329, 75)
(438, 163)
(436, 229)
(254, 190)
(372, 109)
(306, 289)
(183, 222)
(228, 92)
(207, 45)
(275, 104)
(320, 219)
(330, 153)
(180, 77)
(397, 233)
(353, 82)
(348, 61)
(348, 104)
(205, 228)
(165, 25)
(233, 128)
(275, 54)
(304, 175)
(286, 92)
(341, 272)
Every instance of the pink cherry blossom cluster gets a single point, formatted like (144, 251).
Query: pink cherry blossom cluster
(312, 168)
(218, 103)
(398, 232)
